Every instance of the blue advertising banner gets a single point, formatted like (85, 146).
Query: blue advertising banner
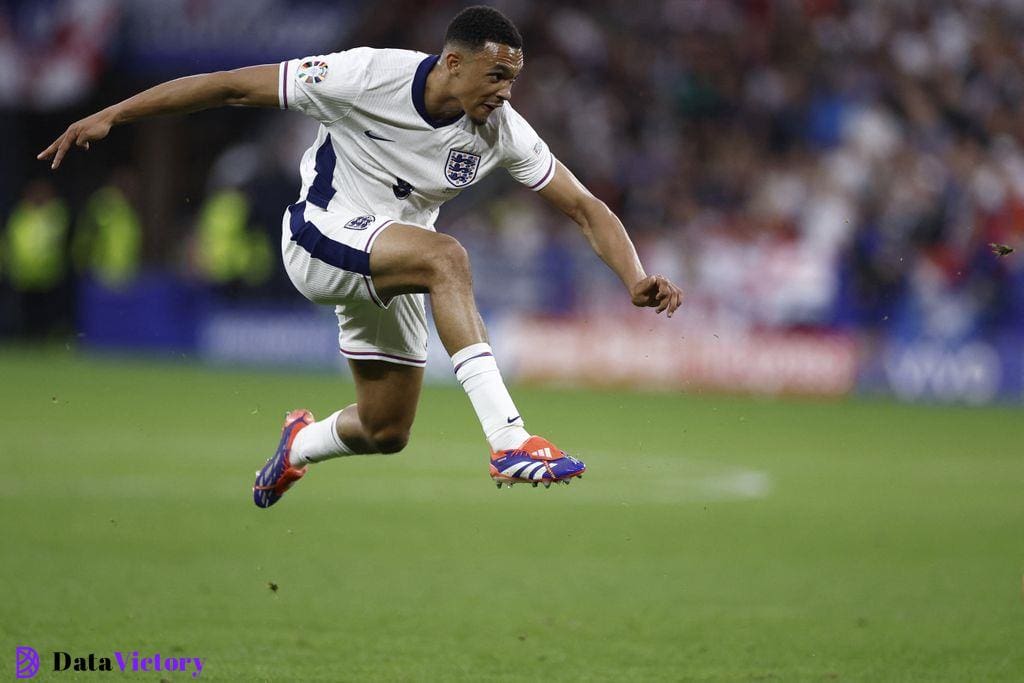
(178, 36)
(976, 371)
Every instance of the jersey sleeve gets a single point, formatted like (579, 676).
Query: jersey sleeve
(525, 154)
(323, 86)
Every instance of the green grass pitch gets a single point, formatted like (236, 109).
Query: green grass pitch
(712, 539)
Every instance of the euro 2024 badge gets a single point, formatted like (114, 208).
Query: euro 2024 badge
(461, 167)
(312, 71)
(26, 662)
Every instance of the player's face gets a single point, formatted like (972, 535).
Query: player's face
(486, 80)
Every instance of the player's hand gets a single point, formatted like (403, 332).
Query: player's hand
(657, 291)
(80, 134)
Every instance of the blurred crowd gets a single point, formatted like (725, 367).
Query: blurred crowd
(793, 163)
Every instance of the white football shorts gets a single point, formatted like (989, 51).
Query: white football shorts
(327, 257)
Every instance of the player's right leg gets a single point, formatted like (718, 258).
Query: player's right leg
(326, 256)
(380, 421)
(406, 259)
(280, 473)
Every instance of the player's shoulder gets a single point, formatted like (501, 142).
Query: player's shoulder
(506, 121)
(513, 137)
(394, 57)
(375, 67)
(384, 59)
(509, 115)
(373, 57)
(501, 129)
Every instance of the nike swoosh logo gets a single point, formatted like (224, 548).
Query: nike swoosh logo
(373, 136)
(510, 420)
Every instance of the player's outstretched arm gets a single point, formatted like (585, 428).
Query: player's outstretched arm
(609, 239)
(253, 86)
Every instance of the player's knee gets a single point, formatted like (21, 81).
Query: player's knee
(390, 439)
(449, 259)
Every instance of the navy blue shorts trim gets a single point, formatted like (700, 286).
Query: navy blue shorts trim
(321, 247)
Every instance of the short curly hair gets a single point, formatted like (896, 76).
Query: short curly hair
(477, 25)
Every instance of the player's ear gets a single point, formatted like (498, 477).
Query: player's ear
(454, 60)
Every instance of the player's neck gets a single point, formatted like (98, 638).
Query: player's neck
(440, 105)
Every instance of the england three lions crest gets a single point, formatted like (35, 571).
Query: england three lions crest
(461, 167)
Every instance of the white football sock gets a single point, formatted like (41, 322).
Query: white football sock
(318, 442)
(477, 371)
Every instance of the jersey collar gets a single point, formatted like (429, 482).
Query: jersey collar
(419, 89)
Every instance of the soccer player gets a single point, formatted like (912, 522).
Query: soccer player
(401, 133)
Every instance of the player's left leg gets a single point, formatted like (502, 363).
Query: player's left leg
(407, 261)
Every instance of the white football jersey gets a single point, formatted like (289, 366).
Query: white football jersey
(377, 151)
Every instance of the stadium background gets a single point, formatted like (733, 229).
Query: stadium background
(824, 179)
